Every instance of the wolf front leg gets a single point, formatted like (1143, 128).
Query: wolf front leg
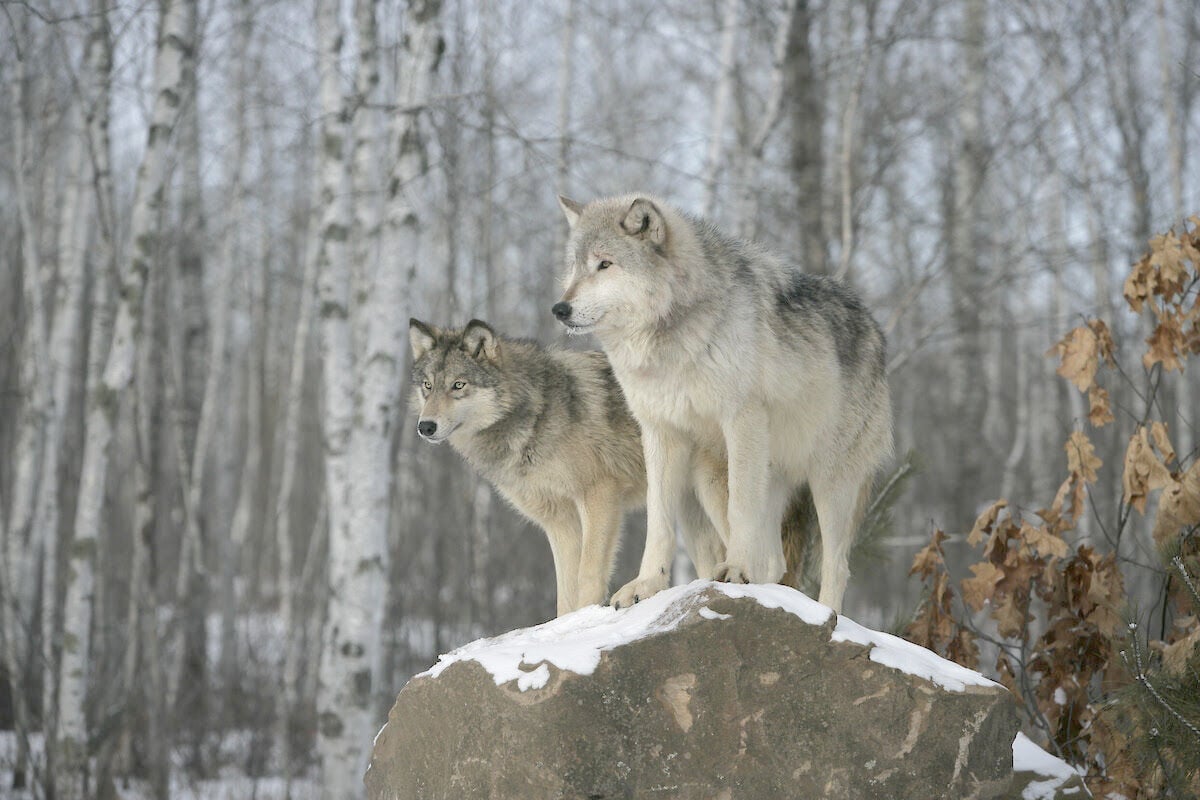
(754, 553)
(600, 517)
(668, 460)
(563, 533)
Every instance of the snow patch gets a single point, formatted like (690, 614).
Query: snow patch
(575, 642)
(894, 652)
(1060, 697)
(534, 680)
(572, 643)
(1029, 757)
(772, 595)
(708, 613)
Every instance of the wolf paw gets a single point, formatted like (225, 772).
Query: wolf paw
(637, 590)
(731, 573)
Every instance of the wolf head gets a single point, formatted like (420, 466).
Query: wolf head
(455, 378)
(616, 256)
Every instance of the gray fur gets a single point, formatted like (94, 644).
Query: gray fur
(549, 429)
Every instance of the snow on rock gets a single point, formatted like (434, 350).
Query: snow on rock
(574, 642)
(1029, 757)
(892, 651)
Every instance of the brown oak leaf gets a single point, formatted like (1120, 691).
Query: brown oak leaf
(1144, 472)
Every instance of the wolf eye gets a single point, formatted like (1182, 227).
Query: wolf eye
(459, 385)
(426, 385)
(604, 265)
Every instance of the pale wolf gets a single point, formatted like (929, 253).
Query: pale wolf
(549, 428)
(748, 377)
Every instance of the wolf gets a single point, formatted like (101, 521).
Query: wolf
(548, 428)
(750, 380)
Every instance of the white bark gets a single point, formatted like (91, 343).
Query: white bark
(339, 723)
(848, 151)
(22, 538)
(284, 536)
(720, 107)
(105, 395)
(246, 515)
(65, 343)
(359, 429)
(752, 165)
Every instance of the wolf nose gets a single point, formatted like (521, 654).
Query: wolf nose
(561, 311)
(427, 427)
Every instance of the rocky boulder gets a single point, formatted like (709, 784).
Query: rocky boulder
(703, 691)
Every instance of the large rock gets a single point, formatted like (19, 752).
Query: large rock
(702, 691)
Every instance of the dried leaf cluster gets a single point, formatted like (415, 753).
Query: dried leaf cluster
(1055, 611)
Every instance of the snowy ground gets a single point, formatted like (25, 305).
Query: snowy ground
(228, 786)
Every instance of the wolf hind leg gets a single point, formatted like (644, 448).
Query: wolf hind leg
(840, 504)
(600, 515)
(565, 539)
(700, 537)
(754, 552)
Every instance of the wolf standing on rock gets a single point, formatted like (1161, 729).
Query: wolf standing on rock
(548, 428)
(748, 377)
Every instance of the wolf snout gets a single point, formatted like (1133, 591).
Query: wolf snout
(562, 311)
(427, 427)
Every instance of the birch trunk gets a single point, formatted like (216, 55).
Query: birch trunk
(183, 405)
(284, 537)
(65, 346)
(562, 168)
(235, 261)
(339, 727)
(848, 148)
(106, 394)
(359, 471)
(22, 540)
(720, 108)
(963, 262)
(752, 165)
(806, 156)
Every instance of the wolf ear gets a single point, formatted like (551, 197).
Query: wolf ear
(480, 340)
(572, 209)
(644, 220)
(421, 337)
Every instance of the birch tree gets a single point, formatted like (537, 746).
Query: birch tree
(23, 539)
(338, 744)
(66, 340)
(963, 208)
(806, 157)
(173, 49)
(359, 426)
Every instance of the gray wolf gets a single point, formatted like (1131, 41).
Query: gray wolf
(548, 428)
(749, 378)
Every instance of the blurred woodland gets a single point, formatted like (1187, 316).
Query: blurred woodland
(223, 549)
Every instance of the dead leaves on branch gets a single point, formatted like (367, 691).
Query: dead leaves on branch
(1144, 470)
(1165, 281)
(1080, 354)
(1178, 508)
(1057, 612)
(1081, 351)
